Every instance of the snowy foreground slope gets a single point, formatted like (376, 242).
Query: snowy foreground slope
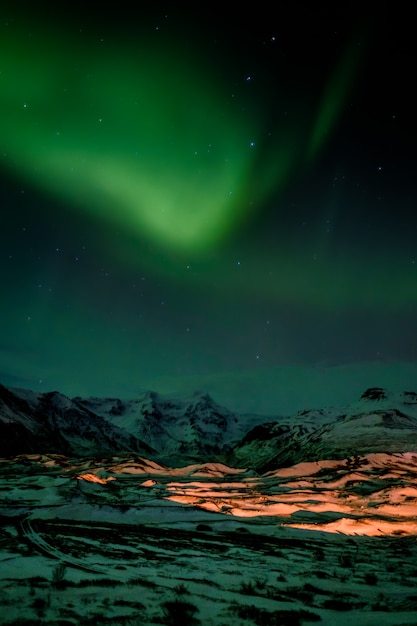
(177, 511)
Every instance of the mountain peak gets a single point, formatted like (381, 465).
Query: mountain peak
(374, 393)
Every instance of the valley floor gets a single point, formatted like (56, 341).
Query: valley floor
(106, 543)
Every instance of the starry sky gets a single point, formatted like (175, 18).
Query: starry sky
(205, 197)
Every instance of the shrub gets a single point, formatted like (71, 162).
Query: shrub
(346, 560)
(319, 554)
(337, 604)
(58, 575)
(204, 528)
(181, 589)
(179, 613)
(371, 578)
(262, 617)
(252, 588)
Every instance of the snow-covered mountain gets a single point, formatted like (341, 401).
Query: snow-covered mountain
(51, 422)
(178, 427)
(181, 429)
(380, 421)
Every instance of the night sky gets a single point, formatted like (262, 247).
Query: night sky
(194, 197)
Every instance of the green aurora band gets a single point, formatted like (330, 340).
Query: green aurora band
(145, 137)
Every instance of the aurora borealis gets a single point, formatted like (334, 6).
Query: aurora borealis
(147, 138)
(188, 196)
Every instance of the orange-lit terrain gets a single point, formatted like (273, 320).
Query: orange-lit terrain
(372, 495)
(129, 540)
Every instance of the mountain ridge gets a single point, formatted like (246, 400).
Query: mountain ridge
(193, 428)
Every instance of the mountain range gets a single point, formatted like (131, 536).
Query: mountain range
(182, 429)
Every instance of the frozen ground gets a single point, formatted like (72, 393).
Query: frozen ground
(128, 541)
